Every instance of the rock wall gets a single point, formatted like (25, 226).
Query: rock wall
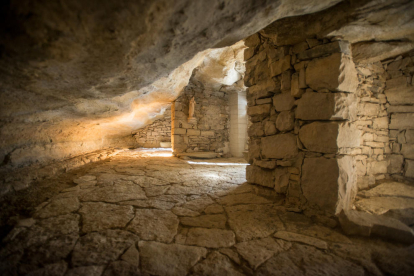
(158, 131)
(372, 122)
(210, 132)
(302, 104)
(399, 91)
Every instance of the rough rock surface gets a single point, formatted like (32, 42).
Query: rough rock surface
(85, 80)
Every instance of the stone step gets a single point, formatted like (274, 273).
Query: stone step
(365, 224)
(393, 189)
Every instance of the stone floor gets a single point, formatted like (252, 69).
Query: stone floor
(147, 213)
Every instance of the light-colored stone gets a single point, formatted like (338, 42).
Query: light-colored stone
(97, 216)
(381, 205)
(294, 237)
(158, 225)
(210, 238)
(336, 72)
(169, 259)
(279, 146)
(393, 189)
(364, 224)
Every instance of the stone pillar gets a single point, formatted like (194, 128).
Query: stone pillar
(238, 122)
(302, 105)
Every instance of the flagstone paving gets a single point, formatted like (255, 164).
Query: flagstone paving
(147, 213)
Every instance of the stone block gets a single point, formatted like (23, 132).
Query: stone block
(262, 110)
(395, 162)
(264, 101)
(295, 90)
(326, 106)
(300, 47)
(370, 52)
(281, 146)
(325, 49)
(320, 182)
(254, 149)
(248, 53)
(257, 175)
(193, 132)
(402, 121)
(302, 79)
(252, 41)
(265, 164)
(407, 150)
(180, 131)
(402, 95)
(312, 42)
(409, 136)
(380, 123)
(409, 168)
(207, 133)
(377, 167)
(256, 130)
(285, 81)
(397, 82)
(285, 121)
(281, 180)
(277, 67)
(336, 72)
(368, 109)
(365, 224)
(320, 137)
(283, 102)
(264, 89)
(269, 128)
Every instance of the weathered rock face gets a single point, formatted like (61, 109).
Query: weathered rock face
(75, 78)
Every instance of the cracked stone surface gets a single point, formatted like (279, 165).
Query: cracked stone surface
(142, 224)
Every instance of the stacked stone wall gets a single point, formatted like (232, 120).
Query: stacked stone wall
(159, 131)
(303, 108)
(210, 132)
(399, 91)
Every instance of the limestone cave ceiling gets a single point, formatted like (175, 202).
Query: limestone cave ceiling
(76, 71)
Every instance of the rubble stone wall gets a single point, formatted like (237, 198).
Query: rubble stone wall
(159, 131)
(211, 131)
(399, 91)
(302, 103)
